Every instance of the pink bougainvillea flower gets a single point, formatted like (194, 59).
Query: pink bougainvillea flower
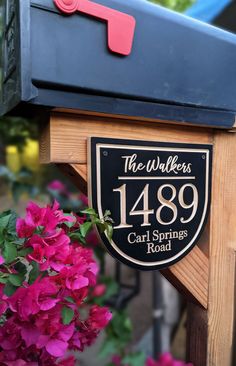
(59, 214)
(73, 278)
(21, 363)
(35, 214)
(57, 239)
(35, 217)
(30, 300)
(55, 347)
(83, 199)
(38, 253)
(10, 335)
(34, 328)
(51, 250)
(70, 361)
(30, 333)
(47, 217)
(84, 259)
(86, 337)
(82, 270)
(2, 260)
(3, 301)
(99, 317)
(151, 362)
(50, 221)
(92, 239)
(165, 360)
(99, 290)
(56, 343)
(24, 230)
(75, 341)
(57, 185)
(3, 307)
(116, 360)
(88, 330)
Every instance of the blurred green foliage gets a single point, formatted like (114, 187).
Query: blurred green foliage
(118, 335)
(20, 183)
(177, 5)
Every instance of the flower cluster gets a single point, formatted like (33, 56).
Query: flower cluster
(165, 360)
(46, 280)
(59, 191)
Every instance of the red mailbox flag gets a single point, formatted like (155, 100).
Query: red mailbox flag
(120, 26)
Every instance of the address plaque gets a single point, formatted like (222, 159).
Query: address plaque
(158, 194)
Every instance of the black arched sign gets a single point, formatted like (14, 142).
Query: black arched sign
(158, 194)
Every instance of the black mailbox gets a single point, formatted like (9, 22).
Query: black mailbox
(178, 68)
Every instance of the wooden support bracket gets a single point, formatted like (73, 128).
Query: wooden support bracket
(64, 141)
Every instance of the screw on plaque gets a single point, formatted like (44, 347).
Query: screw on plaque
(105, 153)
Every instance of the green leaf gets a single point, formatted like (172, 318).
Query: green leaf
(109, 231)
(89, 211)
(34, 273)
(9, 252)
(135, 359)
(97, 221)
(107, 213)
(69, 299)
(9, 289)
(75, 235)
(3, 279)
(5, 213)
(108, 348)
(85, 228)
(128, 324)
(12, 223)
(67, 315)
(24, 252)
(2, 238)
(112, 287)
(16, 279)
(21, 268)
(120, 328)
(4, 221)
(19, 241)
(101, 227)
(69, 224)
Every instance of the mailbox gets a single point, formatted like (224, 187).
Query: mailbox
(178, 68)
(139, 107)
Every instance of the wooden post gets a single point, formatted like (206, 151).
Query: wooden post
(206, 276)
(222, 251)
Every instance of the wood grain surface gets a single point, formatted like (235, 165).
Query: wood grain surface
(65, 139)
(222, 251)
